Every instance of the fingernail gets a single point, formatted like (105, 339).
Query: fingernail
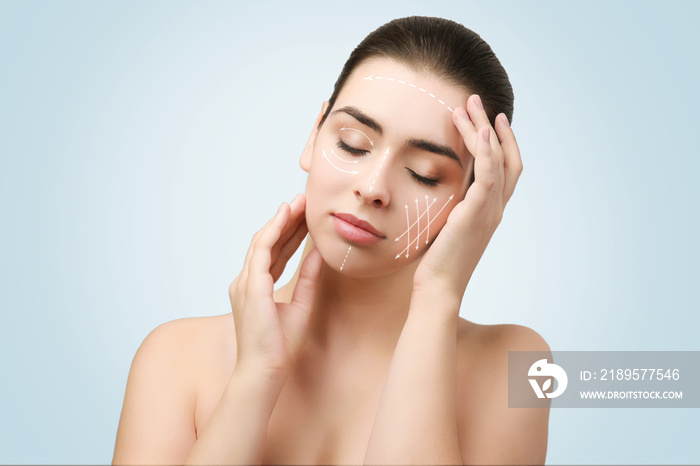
(487, 134)
(477, 101)
(504, 118)
(296, 198)
(461, 113)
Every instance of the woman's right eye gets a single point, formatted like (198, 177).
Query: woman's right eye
(350, 150)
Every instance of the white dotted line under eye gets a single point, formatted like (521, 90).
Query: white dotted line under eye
(371, 77)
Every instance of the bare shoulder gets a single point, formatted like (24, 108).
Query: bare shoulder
(157, 419)
(483, 349)
(201, 348)
(194, 334)
(490, 431)
(182, 342)
(497, 338)
(187, 329)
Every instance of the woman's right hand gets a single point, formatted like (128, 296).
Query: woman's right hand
(269, 335)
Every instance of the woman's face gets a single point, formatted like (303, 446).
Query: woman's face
(385, 170)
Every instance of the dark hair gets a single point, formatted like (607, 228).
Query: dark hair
(441, 47)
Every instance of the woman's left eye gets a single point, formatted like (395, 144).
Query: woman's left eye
(350, 150)
(357, 152)
(422, 179)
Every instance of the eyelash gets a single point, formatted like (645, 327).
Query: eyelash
(351, 150)
(422, 179)
(357, 152)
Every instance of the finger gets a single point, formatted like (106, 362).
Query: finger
(259, 280)
(486, 167)
(461, 120)
(478, 115)
(296, 316)
(288, 249)
(512, 160)
(296, 205)
(480, 119)
(305, 289)
(296, 218)
(249, 253)
(469, 131)
(240, 284)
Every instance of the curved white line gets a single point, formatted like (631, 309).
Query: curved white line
(337, 168)
(345, 128)
(370, 77)
(342, 159)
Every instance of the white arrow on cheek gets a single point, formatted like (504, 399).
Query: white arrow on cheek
(420, 233)
(417, 215)
(414, 223)
(427, 209)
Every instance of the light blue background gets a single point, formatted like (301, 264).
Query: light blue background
(143, 143)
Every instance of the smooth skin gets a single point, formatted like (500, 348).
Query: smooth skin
(285, 382)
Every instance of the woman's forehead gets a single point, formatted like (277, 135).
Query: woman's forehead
(403, 101)
(393, 79)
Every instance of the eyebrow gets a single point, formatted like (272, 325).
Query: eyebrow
(434, 148)
(363, 118)
(421, 144)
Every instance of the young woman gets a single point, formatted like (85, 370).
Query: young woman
(362, 357)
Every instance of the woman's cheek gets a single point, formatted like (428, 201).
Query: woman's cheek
(327, 181)
(325, 184)
(330, 172)
(426, 214)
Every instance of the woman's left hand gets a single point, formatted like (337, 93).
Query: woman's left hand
(449, 263)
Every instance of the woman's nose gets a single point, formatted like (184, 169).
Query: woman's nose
(371, 185)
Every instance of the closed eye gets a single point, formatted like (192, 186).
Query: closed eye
(358, 152)
(422, 179)
(350, 150)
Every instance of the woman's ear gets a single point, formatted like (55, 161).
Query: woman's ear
(305, 160)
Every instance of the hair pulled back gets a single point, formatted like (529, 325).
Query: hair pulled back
(441, 47)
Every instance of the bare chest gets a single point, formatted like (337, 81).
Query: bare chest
(329, 423)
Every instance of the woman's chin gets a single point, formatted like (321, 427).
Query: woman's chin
(360, 261)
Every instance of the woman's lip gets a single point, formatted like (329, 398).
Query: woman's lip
(359, 223)
(356, 230)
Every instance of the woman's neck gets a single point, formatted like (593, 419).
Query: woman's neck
(356, 314)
